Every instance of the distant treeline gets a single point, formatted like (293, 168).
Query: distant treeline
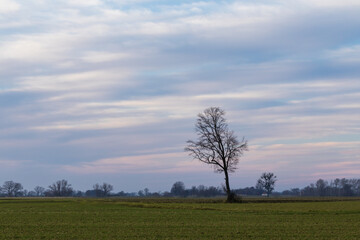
(61, 188)
(321, 188)
(338, 187)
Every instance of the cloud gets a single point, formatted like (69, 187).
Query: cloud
(102, 123)
(345, 54)
(9, 6)
(81, 3)
(12, 163)
(74, 81)
(150, 163)
(98, 57)
(332, 3)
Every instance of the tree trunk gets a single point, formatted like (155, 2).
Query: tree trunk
(230, 196)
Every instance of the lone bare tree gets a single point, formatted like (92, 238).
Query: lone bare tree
(217, 145)
(266, 182)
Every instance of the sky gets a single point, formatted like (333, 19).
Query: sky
(109, 91)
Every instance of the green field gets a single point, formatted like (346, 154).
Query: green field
(177, 219)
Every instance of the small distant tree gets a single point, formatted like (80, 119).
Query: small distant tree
(295, 191)
(23, 193)
(102, 190)
(146, 192)
(266, 182)
(346, 188)
(79, 194)
(60, 188)
(97, 190)
(217, 145)
(39, 191)
(107, 188)
(11, 189)
(337, 186)
(178, 189)
(140, 193)
(321, 187)
(31, 194)
(97, 187)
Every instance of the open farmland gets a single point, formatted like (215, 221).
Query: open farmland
(177, 219)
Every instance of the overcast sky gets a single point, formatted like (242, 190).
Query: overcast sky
(108, 91)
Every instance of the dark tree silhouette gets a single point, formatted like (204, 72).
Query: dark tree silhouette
(266, 182)
(106, 188)
(321, 187)
(178, 189)
(11, 189)
(97, 190)
(146, 192)
(39, 191)
(102, 190)
(60, 188)
(217, 145)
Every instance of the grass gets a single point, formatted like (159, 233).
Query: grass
(179, 219)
